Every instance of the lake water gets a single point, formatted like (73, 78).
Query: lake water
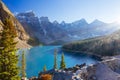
(39, 56)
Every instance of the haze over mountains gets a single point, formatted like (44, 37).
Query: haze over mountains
(47, 32)
(37, 30)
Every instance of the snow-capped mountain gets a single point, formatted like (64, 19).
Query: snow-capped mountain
(41, 28)
(53, 32)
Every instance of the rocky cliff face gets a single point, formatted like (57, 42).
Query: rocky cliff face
(5, 13)
(41, 28)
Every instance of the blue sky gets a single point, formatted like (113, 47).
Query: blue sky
(69, 10)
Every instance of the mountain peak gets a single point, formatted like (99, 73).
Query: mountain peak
(27, 14)
(29, 11)
(55, 22)
(96, 21)
(63, 23)
(83, 20)
(44, 19)
(80, 22)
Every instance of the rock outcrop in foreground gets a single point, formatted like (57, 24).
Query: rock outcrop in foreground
(108, 69)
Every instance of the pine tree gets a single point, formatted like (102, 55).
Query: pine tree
(44, 68)
(62, 64)
(55, 59)
(23, 68)
(8, 58)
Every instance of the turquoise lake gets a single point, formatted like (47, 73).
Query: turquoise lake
(39, 56)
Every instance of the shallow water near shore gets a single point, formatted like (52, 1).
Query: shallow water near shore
(37, 57)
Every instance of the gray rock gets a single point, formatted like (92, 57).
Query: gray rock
(105, 70)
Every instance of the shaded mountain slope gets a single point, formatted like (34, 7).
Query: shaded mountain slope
(102, 46)
(41, 28)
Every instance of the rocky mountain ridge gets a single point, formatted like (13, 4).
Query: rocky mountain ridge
(59, 33)
(41, 28)
(5, 13)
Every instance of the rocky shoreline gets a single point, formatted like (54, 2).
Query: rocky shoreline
(107, 69)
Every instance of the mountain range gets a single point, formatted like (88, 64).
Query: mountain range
(34, 30)
(43, 30)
